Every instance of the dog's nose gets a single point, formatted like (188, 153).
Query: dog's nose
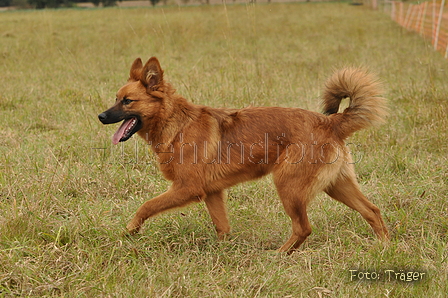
(102, 117)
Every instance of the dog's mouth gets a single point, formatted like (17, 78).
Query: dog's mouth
(129, 127)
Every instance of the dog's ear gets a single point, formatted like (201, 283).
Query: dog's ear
(152, 74)
(136, 70)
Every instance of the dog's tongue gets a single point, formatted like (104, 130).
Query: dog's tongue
(121, 130)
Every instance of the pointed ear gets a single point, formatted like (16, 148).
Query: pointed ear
(152, 74)
(136, 70)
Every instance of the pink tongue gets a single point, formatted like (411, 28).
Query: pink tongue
(120, 132)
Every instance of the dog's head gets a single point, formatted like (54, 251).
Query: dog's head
(137, 101)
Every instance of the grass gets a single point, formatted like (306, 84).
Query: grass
(64, 201)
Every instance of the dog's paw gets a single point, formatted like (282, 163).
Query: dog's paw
(224, 236)
(132, 228)
(125, 233)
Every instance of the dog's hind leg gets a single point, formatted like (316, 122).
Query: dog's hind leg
(346, 190)
(294, 201)
(216, 206)
(295, 207)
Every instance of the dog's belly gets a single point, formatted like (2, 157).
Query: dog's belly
(223, 176)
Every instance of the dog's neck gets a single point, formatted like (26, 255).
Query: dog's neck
(175, 113)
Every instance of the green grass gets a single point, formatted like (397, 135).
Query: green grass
(64, 204)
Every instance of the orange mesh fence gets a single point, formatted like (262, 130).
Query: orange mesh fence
(429, 19)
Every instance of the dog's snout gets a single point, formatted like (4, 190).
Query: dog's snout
(102, 117)
(111, 116)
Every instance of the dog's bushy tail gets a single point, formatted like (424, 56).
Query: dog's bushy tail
(366, 108)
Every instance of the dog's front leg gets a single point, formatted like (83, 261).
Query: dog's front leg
(174, 198)
(216, 206)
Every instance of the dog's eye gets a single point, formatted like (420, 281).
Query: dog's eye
(126, 101)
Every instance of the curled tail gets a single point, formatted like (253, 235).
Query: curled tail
(366, 108)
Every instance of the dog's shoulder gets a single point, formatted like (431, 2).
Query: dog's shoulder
(222, 115)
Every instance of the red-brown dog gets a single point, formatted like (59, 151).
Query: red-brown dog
(205, 150)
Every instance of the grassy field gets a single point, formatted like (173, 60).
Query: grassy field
(67, 193)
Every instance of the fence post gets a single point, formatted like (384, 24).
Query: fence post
(439, 22)
(392, 11)
(401, 13)
(411, 17)
(434, 5)
(422, 23)
(419, 17)
(408, 14)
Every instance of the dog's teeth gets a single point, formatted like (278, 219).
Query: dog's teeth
(131, 125)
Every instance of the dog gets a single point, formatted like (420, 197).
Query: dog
(205, 150)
